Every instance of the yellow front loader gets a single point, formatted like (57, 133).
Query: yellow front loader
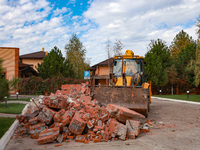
(127, 86)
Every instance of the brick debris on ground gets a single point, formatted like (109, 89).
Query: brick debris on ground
(70, 113)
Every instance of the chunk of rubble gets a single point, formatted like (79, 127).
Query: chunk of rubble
(36, 129)
(77, 124)
(117, 129)
(133, 128)
(122, 113)
(46, 115)
(48, 135)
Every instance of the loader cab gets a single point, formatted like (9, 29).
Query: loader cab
(129, 69)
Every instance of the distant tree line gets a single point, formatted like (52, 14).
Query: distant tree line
(178, 64)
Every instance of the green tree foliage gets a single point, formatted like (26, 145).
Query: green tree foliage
(76, 55)
(184, 58)
(157, 62)
(6, 85)
(54, 64)
(197, 64)
(180, 42)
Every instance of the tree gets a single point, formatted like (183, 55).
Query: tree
(197, 64)
(180, 42)
(117, 48)
(198, 25)
(172, 76)
(157, 62)
(184, 63)
(108, 48)
(75, 52)
(54, 64)
(6, 85)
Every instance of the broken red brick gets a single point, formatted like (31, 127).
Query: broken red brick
(46, 139)
(122, 113)
(80, 138)
(86, 141)
(58, 145)
(117, 129)
(65, 119)
(77, 124)
(46, 115)
(52, 131)
(133, 128)
(95, 140)
(57, 117)
(70, 137)
(36, 129)
(33, 121)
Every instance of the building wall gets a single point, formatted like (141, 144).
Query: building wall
(33, 62)
(10, 57)
(102, 70)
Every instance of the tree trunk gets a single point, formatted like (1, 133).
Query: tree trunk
(177, 90)
(172, 90)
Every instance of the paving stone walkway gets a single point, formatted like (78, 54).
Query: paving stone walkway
(8, 115)
(12, 115)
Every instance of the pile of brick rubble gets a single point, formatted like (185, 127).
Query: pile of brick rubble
(71, 114)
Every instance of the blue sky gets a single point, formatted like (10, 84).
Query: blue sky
(33, 24)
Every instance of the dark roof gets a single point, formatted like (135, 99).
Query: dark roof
(22, 65)
(103, 63)
(36, 55)
(27, 70)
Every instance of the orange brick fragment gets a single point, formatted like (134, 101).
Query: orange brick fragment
(58, 145)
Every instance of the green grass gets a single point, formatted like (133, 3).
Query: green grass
(13, 108)
(195, 98)
(21, 99)
(5, 124)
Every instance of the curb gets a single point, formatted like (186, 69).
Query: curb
(176, 100)
(5, 139)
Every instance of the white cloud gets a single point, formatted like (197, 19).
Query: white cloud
(60, 11)
(136, 23)
(25, 25)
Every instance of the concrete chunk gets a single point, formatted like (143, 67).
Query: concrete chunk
(133, 128)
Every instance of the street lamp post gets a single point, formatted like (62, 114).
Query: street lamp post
(188, 92)
(6, 101)
(160, 91)
(17, 94)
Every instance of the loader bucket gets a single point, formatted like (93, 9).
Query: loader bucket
(132, 98)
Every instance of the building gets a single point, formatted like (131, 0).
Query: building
(10, 57)
(29, 62)
(20, 66)
(100, 72)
